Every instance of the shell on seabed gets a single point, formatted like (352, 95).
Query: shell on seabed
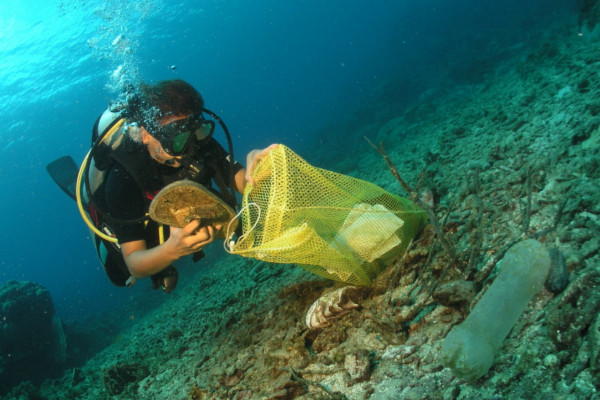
(329, 307)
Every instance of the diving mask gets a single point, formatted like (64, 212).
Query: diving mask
(175, 137)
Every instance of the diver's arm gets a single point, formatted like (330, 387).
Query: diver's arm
(240, 180)
(143, 262)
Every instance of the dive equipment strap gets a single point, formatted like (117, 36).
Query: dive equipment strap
(84, 169)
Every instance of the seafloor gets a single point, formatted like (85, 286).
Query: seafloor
(513, 157)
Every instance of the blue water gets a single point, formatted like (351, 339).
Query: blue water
(275, 71)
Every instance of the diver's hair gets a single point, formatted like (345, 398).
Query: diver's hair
(150, 103)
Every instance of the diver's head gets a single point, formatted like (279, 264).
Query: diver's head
(170, 117)
(151, 105)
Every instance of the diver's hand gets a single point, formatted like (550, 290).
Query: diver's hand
(253, 158)
(192, 237)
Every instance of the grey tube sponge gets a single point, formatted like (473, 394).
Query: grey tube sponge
(469, 347)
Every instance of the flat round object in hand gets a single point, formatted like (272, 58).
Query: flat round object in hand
(182, 202)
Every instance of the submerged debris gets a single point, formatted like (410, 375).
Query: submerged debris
(558, 277)
(330, 306)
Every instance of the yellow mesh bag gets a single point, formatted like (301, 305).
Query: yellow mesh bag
(330, 224)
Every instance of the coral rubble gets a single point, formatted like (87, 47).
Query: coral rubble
(32, 340)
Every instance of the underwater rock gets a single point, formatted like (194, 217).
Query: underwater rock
(24, 390)
(572, 314)
(198, 394)
(118, 376)
(358, 366)
(595, 345)
(231, 379)
(458, 294)
(77, 377)
(32, 340)
(288, 385)
(292, 353)
(331, 306)
(329, 338)
(589, 15)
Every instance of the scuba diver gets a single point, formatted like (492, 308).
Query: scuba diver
(163, 134)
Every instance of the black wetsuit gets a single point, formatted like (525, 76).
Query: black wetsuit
(125, 199)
